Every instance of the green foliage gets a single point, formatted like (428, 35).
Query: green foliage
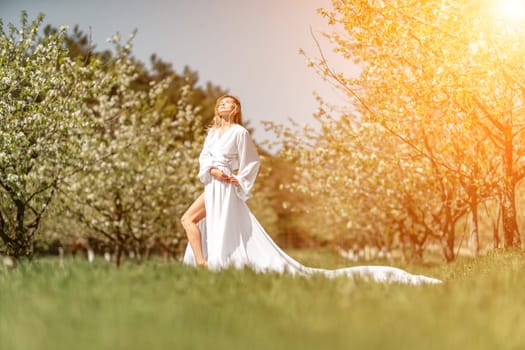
(271, 204)
(155, 305)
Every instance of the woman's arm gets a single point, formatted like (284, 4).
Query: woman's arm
(249, 163)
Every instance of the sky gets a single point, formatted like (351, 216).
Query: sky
(248, 47)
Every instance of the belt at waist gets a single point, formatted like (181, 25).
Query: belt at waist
(224, 166)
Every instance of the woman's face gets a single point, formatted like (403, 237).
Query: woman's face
(226, 106)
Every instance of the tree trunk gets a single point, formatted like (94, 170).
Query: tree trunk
(118, 255)
(17, 237)
(474, 226)
(511, 235)
(4, 235)
(495, 229)
(448, 239)
(447, 248)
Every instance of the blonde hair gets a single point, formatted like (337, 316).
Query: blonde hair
(235, 115)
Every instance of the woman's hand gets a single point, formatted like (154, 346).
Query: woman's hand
(221, 176)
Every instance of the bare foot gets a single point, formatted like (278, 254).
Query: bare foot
(202, 264)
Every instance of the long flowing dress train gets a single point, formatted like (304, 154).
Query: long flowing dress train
(232, 236)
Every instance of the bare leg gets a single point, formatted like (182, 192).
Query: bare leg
(191, 217)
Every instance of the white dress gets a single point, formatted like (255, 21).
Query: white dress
(232, 236)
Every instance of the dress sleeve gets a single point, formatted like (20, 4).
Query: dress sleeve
(248, 164)
(205, 161)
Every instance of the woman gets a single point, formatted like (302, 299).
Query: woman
(221, 230)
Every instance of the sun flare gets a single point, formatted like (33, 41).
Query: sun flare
(513, 10)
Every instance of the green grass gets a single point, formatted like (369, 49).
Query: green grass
(154, 305)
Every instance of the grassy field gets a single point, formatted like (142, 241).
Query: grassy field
(77, 305)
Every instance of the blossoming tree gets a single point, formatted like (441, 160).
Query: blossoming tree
(438, 71)
(42, 113)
